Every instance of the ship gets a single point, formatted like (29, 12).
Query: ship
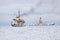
(17, 21)
(41, 23)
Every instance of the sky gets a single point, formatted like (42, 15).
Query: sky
(49, 10)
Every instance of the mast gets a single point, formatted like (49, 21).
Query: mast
(18, 12)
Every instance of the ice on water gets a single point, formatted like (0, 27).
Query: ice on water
(30, 33)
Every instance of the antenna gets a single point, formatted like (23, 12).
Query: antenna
(18, 12)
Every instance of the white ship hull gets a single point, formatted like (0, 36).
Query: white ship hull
(17, 25)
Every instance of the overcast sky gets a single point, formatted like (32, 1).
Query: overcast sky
(10, 7)
(44, 5)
